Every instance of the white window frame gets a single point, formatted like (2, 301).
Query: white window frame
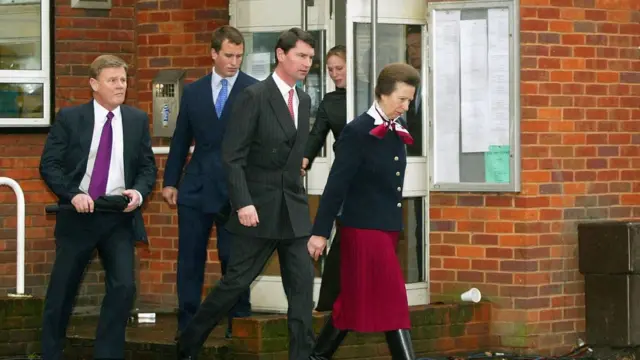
(42, 76)
(514, 184)
(413, 12)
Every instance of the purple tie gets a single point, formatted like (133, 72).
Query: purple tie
(100, 174)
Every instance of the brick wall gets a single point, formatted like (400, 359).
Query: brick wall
(20, 321)
(171, 35)
(80, 36)
(580, 157)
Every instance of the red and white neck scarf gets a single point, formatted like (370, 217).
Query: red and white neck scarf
(383, 124)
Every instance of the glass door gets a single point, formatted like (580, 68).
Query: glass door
(401, 37)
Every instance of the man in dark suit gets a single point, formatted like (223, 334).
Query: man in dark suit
(262, 154)
(96, 149)
(205, 110)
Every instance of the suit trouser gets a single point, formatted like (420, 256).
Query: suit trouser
(249, 256)
(194, 229)
(77, 236)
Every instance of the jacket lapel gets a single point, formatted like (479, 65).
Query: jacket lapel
(235, 90)
(304, 108)
(280, 108)
(85, 132)
(128, 142)
(209, 108)
(303, 127)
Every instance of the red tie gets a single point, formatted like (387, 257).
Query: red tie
(290, 105)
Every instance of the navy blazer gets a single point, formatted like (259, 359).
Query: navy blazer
(66, 152)
(367, 176)
(204, 185)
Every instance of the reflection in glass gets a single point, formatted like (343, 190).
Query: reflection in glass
(396, 43)
(410, 249)
(20, 35)
(21, 101)
(273, 265)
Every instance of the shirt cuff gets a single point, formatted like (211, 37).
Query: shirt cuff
(140, 197)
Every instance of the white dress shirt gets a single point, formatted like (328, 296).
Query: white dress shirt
(216, 84)
(375, 111)
(284, 90)
(115, 182)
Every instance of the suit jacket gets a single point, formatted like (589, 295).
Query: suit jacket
(262, 154)
(414, 125)
(367, 175)
(331, 116)
(66, 151)
(204, 185)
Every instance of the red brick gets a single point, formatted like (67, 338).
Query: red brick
(561, 26)
(578, 137)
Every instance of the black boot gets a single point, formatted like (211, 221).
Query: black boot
(400, 345)
(328, 341)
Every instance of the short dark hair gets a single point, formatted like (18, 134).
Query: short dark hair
(289, 38)
(393, 74)
(226, 32)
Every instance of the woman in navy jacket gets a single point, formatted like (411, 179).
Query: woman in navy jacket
(367, 178)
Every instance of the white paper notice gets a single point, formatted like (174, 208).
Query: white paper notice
(473, 85)
(258, 65)
(446, 95)
(499, 99)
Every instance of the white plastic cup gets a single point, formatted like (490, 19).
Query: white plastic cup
(472, 294)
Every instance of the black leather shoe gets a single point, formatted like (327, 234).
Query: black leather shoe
(328, 341)
(400, 345)
(182, 354)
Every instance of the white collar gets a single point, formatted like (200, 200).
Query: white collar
(216, 78)
(283, 86)
(100, 112)
(378, 115)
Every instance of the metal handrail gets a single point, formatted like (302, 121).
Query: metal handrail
(20, 244)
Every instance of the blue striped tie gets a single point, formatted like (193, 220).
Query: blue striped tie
(222, 97)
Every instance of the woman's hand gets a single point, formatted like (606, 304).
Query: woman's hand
(316, 245)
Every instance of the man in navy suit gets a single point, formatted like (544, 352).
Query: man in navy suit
(100, 148)
(201, 196)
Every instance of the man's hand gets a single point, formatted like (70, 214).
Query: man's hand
(83, 203)
(170, 195)
(248, 216)
(305, 164)
(134, 200)
(316, 245)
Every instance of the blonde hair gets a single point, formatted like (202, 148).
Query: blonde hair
(106, 61)
(339, 51)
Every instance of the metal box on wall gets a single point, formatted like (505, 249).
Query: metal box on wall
(609, 247)
(166, 93)
(609, 259)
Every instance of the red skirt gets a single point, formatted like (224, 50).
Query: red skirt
(373, 296)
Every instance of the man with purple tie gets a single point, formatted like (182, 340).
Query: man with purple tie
(100, 148)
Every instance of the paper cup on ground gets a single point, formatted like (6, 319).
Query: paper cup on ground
(472, 294)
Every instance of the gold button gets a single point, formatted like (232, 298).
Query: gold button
(398, 173)
(399, 188)
(396, 158)
(399, 205)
